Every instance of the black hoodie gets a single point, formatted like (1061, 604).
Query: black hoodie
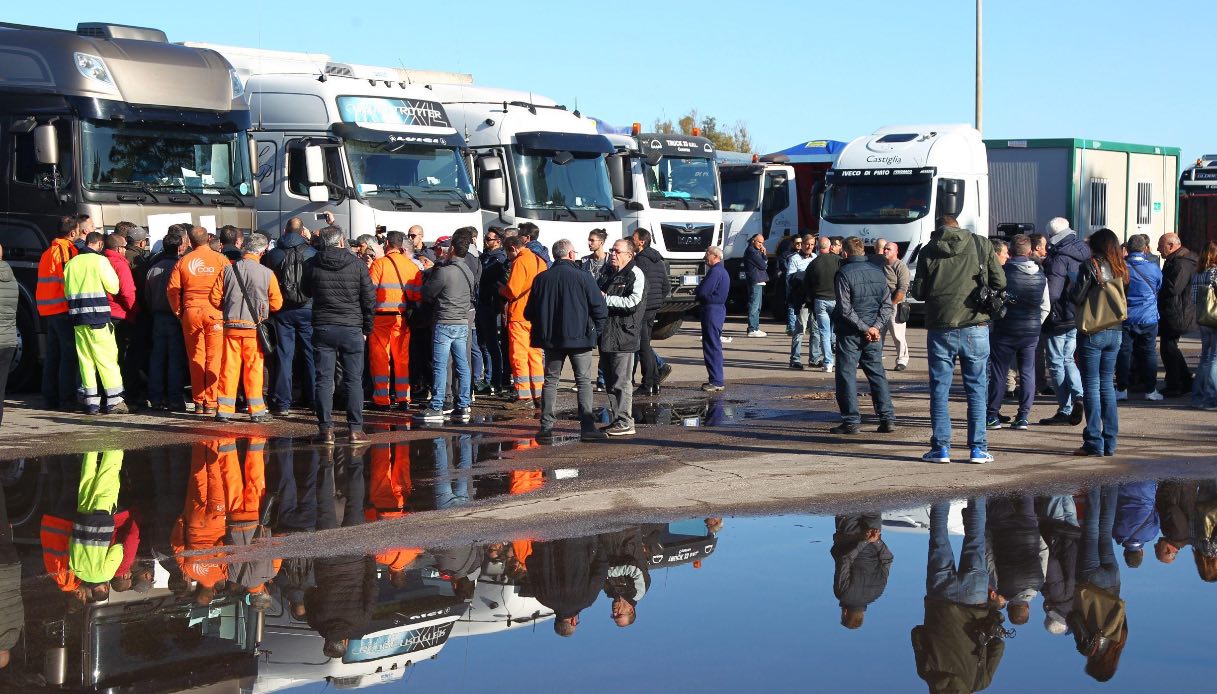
(341, 289)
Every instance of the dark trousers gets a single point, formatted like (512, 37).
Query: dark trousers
(6, 361)
(60, 371)
(646, 355)
(491, 345)
(854, 350)
(334, 345)
(292, 327)
(167, 365)
(132, 339)
(1004, 352)
(1137, 362)
(421, 334)
(1178, 376)
(712, 318)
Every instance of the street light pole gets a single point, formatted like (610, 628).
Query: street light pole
(979, 85)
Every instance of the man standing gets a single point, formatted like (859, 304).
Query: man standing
(624, 288)
(711, 300)
(796, 275)
(1065, 256)
(950, 270)
(343, 298)
(656, 271)
(1015, 336)
(397, 282)
(59, 369)
(819, 287)
(189, 295)
(294, 322)
(122, 312)
(246, 293)
(898, 283)
(1137, 362)
(530, 233)
(87, 279)
(449, 288)
(863, 307)
(168, 360)
(756, 271)
(489, 314)
(594, 262)
(567, 313)
(1178, 312)
(527, 363)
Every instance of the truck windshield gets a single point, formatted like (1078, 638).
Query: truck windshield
(164, 158)
(579, 184)
(388, 170)
(876, 203)
(741, 193)
(681, 178)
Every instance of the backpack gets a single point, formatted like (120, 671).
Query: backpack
(291, 276)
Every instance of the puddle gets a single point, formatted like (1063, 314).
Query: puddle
(1106, 589)
(705, 412)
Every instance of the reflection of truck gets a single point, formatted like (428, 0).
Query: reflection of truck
(668, 185)
(534, 161)
(673, 544)
(364, 142)
(117, 123)
(1198, 203)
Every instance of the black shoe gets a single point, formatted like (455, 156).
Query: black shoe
(901, 367)
(1175, 393)
(844, 428)
(664, 372)
(545, 437)
(325, 437)
(281, 412)
(463, 414)
(796, 366)
(1047, 390)
(646, 391)
(1004, 418)
(1075, 417)
(1058, 419)
(261, 418)
(886, 426)
(599, 388)
(817, 364)
(592, 435)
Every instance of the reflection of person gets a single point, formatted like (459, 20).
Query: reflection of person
(959, 646)
(8, 324)
(103, 541)
(1204, 531)
(340, 605)
(862, 565)
(12, 610)
(1098, 622)
(566, 576)
(628, 578)
(1136, 522)
(1176, 506)
(1016, 553)
(1059, 527)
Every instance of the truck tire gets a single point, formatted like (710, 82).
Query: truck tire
(666, 325)
(23, 372)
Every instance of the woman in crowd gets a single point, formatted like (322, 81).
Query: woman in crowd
(1204, 389)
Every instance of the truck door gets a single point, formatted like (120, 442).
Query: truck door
(775, 199)
(268, 170)
(296, 202)
(34, 188)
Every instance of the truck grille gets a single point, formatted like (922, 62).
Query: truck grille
(687, 237)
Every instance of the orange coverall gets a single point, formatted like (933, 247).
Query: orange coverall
(527, 362)
(241, 347)
(397, 281)
(189, 295)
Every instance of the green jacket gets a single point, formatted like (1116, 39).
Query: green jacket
(952, 654)
(947, 272)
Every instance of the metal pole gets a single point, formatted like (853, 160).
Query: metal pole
(979, 85)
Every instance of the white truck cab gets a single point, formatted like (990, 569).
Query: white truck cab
(893, 184)
(367, 143)
(759, 197)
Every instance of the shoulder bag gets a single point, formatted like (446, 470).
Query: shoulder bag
(1206, 305)
(1103, 306)
(266, 335)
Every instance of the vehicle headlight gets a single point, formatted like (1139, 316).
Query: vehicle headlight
(237, 88)
(94, 68)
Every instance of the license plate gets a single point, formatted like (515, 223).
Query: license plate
(690, 281)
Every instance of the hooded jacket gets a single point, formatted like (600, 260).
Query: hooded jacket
(1027, 288)
(276, 259)
(9, 298)
(1178, 312)
(625, 296)
(340, 605)
(1065, 257)
(450, 287)
(1061, 573)
(567, 575)
(655, 268)
(948, 276)
(627, 575)
(952, 655)
(565, 308)
(342, 292)
(1144, 283)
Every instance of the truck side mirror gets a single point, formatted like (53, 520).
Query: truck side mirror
(562, 157)
(492, 187)
(950, 196)
(255, 189)
(314, 165)
(46, 144)
(616, 174)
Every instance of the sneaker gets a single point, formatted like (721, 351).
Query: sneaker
(1075, 417)
(281, 412)
(664, 372)
(757, 333)
(1123, 395)
(431, 414)
(726, 339)
(1058, 419)
(1151, 395)
(520, 404)
(545, 437)
(711, 388)
(980, 456)
(817, 364)
(261, 418)
(796, 366)
(449, 408)
(901, 367)
(599, 387)
(325, 437)
(620, 429)
(463, 414)
(1021, 424)
(993, 423)
(845, 428)
(223, 418)
(828, 368)
(592, 435)
(207, 410)
(938, 455)
(886, 426)
(120, 408)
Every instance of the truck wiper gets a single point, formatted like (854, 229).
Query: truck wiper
(403, 191)
(709, 201)
(230, 189)
(127, 185)
(606, 208)
(454, 193)
(683, 201)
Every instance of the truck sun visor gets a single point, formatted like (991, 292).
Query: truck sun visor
(571, 142)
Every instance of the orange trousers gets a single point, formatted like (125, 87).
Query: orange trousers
(390, 483)
(527, 362)
(241, 349)
(203, 329)
(390, 340)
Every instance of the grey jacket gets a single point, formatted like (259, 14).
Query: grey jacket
(257, 279)
(8, 306)
(450, 288)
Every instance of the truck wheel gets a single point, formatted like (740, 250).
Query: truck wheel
(23, 372)
(666, 325)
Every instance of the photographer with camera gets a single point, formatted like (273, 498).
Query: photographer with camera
(962, 285)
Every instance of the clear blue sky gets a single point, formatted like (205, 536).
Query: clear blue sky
(793, 71)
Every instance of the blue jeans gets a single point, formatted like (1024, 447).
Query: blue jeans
(1066, 380)
(824, 309)
(291, 327)
(453, 490)
(331, 344)
(792, 316)
(1097, 560)
(1204, 386)
(167, 368)
(967, 583)
(1098, 356)
(971, 346)
(856, 351)
(804, 323)
(1137, 363)
(450, 340)
(481, 365)
(60, 371)
(754, 306)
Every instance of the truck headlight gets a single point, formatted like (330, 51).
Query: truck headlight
(237, 88)
(94, 68)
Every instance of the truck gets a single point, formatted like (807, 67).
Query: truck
(115, 122)
(1198, 203)
(368, 144)
(668, 184)
(776, 195)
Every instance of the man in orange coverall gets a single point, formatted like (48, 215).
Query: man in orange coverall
(527, 362)
(189, 295)
(397, 281)
(246, 293)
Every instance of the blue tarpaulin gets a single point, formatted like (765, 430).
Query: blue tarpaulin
(813, 151)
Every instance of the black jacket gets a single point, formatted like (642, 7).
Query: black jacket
(340, 605)
(818, 280)
(656, 271)
(1061, 576)
(1015, 541)
(565, 308)
(862, 567)
(494, 273)
(1061, 268)
(341, 289)
(567, 575)
(1025, 284)
(623, 329)
(276, 260)
(1176, 504)
(1177, 311)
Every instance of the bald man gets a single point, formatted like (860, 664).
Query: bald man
(1177, 312)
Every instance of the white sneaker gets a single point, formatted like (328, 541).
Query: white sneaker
(828, 368)
(1121, 395)
(727, 339)
(1152, 395)
(757, 333)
